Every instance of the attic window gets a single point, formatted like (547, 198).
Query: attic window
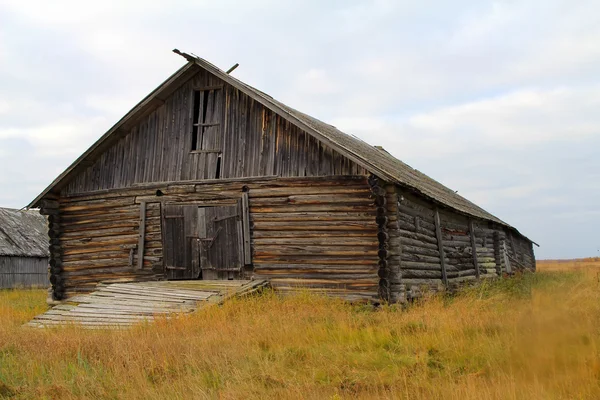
(206, 120)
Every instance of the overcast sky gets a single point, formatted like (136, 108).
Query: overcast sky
(498, 100)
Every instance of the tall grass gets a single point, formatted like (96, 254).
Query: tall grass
(536, 336)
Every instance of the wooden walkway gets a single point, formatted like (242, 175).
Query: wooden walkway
(121, 305)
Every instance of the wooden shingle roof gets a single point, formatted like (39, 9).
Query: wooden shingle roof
(23, 233)
(374, 160)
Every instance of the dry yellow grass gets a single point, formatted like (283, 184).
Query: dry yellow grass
(531, 337)
(588, 264)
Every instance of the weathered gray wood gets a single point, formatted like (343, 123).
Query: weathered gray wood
(474, 248)
(18, 272)
(438, 234)
(247, 138)
(246, 228)
(122, 305)
(142, 236)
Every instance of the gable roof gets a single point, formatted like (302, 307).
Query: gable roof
(375, 160)
(23, 233)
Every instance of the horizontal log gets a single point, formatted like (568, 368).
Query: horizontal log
(96, 204)
(454, 245)
(315, 216)
(100, 225)
(408, 249)
(108, 218)
(96, 233)
(371, 233)
(358, 284)
(419, 273)
(420, 258)
(88, 250)
(325, 275)
(310, 199)
(314, 226)
(314, 260)
(311, 208)
(287, 250)
(88, 264)
(415, 229)
(418, 236)
(409, 220)
(318, 241)
(317, 267)
(414, 212)
(462, 273)
(98, 271)
(100, 255)
(420, 265)
(418, 282)
(105, 240)
(358, 190)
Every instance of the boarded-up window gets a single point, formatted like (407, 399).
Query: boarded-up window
(208, 106)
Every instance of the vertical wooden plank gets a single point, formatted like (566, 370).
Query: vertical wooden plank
(246, 228)
(204, 232)
(474, 247)
(192, 258)
(507, 260)
(438, 234)
(142, 235)
(512, 244)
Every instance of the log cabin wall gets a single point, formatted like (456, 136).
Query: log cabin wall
(246, 140)
(419, 251)
(439, 248)
(319, 234)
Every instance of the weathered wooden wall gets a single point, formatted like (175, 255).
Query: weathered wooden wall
(439, 248)
(254, 142)
(319, 234)
(18, 272)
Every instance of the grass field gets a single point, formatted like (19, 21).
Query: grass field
(536, 336)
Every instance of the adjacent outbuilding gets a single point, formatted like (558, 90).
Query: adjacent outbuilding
(210, 178)
(23, 249)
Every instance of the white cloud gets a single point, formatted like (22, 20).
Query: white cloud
(520, 118)
(59, 138)
(4, 107)
(316, 82)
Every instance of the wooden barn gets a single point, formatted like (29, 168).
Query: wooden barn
(23, 249)
(210, 178)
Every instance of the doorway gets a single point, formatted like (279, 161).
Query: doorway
(203, 242)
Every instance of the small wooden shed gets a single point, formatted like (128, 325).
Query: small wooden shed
(210, 178)
(23, 249)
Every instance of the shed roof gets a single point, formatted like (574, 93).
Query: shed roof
(373, 159)
(23, 233)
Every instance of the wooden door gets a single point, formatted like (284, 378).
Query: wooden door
(203, 242)
(180, 242)
(221, 242)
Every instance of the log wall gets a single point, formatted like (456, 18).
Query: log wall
(440, 249)
(319, 234)
(253, 142)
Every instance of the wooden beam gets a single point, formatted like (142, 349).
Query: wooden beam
(142, 233)
(474, 248)
(246, 228)
(512, 244)
(438, 234)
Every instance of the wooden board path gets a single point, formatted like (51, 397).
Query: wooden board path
(121, 305)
